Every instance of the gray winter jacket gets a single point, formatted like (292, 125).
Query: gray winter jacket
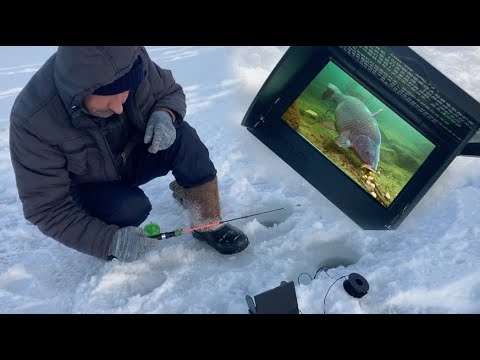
(54, 144)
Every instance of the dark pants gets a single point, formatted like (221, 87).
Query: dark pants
(123, 203)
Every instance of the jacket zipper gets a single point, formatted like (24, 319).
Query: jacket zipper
(124, 158)
(108, 148)
(78, 112)
(110, 152)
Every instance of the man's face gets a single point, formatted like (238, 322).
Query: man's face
(104, 106)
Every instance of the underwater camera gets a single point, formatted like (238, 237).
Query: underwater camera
(370, 127)
(279, 300)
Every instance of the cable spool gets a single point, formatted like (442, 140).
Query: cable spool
(356, 285)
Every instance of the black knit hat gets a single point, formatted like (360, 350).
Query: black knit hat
(128, 81)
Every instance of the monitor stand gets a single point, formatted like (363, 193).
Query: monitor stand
(473, 147)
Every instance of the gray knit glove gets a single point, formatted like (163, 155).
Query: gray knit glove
(160, 127)
(130, 243)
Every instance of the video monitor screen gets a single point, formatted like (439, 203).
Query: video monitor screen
(362, 136)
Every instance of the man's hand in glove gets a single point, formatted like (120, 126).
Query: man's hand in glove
(160, 131)
(130, 243)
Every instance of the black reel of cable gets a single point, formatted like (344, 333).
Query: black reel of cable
(356, 285)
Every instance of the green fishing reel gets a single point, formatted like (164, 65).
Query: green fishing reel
(152, 229)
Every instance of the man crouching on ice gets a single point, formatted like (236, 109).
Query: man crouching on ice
(91, 126)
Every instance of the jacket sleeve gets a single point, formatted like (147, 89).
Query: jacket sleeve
(166, 91)
(43, 185)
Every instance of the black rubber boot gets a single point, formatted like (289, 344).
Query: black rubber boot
(226, 240)
(203, 204)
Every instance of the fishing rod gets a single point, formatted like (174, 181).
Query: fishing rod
(153, 229)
